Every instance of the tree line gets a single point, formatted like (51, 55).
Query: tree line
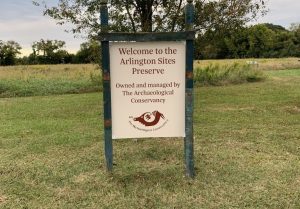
(49, 52)
(257, 41)
(220, 26)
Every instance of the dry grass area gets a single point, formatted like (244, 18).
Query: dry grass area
(33, 80)
(261, 64)
(68, 71)
(36, 80)
(75, 71)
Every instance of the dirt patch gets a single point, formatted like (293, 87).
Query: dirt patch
(224, 109)
(81, 178)
(280, 79)
(293, 109)
(2, 199)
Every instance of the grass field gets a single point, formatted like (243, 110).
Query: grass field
(247, 152)
(39, 80)
(261, 64)
(42, 80)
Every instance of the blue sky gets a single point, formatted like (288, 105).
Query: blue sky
(23, 22)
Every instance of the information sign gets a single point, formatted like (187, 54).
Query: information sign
(148, 89)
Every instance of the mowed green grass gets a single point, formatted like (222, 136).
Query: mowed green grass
(247, 152)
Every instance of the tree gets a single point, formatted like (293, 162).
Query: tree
(275, 28)
(295, 28)
(47, 47)
(8, 52)
(89, 52)
(286, 44)
(154, 15)
(261, 40)
(48, 52)
(237, 43)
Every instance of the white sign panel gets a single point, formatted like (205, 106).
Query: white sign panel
(148, 89)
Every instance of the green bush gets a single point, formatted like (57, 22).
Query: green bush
(217, 75)
(96, 79)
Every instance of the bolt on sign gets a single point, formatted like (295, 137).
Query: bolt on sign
(148, 89)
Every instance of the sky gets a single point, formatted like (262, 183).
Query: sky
(282, 12)
(24, 23)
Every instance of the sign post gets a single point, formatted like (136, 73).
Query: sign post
(189, 94)
(106, 88)
(148, 85)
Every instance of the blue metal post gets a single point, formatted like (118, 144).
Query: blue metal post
(189, 95)
(106, 88)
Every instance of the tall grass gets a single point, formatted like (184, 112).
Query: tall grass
(218, 75)
(61, 79)
(49, 79)
(262, 64)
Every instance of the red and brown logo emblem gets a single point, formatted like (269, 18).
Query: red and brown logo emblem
(149, 119)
